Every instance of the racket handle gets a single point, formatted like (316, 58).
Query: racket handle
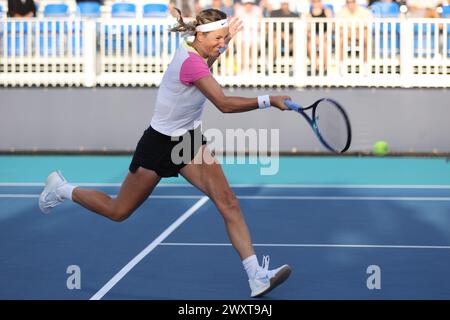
(292, 105)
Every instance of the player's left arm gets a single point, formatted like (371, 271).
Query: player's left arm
(235, 26)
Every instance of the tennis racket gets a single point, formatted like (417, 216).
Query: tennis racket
(329, 122)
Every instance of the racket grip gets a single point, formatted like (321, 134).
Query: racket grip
(292, 105)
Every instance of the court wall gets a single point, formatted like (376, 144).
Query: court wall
(112, 119)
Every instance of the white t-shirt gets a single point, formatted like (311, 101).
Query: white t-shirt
(179, 103)
(360, 13)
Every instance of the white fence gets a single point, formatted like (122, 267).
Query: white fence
(269, 52)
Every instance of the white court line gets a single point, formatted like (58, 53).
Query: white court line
(26, 195)
(323, 198)
(111, 195)
(281, 186)
(345, 198)
(307, 245)
(19, 195)
(344, 186)
(130, 265)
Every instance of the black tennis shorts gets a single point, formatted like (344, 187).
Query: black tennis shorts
(164, 154)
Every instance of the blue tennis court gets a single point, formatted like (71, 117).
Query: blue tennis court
(334, 220)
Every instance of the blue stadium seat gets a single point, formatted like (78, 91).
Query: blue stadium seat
(446, 11)
(119, 10)
(152, 50)
(385, 10)
(56, 10)
(123, 10)
(155, 10)
(59, 10)
(426, 46)
(396, 36)
(89, 9)
(48, 43)
(17, 26)
(21, 43)
(80, 26)
(446, 14)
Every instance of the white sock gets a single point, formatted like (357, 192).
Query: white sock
(65, 191)
(251, 266)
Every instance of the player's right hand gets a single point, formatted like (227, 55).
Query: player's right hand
(278, 102)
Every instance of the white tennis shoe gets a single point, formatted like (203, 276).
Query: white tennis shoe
(49, 198)
(266, 280)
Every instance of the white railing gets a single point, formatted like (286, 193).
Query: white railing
(269, 52)
(265, 53)
(133, 51)
(47, 52)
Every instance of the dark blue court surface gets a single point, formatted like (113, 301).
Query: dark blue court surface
(175, 245)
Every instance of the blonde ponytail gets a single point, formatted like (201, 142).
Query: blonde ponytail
(206, 16)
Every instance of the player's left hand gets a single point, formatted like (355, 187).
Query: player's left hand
(234, 26)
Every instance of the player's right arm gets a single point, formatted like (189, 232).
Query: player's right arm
(214, 92)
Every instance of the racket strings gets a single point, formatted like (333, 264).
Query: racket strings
(332, 125)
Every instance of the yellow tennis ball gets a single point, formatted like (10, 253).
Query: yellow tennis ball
(380, 148)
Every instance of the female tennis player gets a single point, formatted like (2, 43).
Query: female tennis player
(186, 85)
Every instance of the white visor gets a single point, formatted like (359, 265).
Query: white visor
(212, 26)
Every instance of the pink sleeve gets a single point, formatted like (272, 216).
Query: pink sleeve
(193, 69)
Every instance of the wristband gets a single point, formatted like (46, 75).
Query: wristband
(222, 50)
(263, 102)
